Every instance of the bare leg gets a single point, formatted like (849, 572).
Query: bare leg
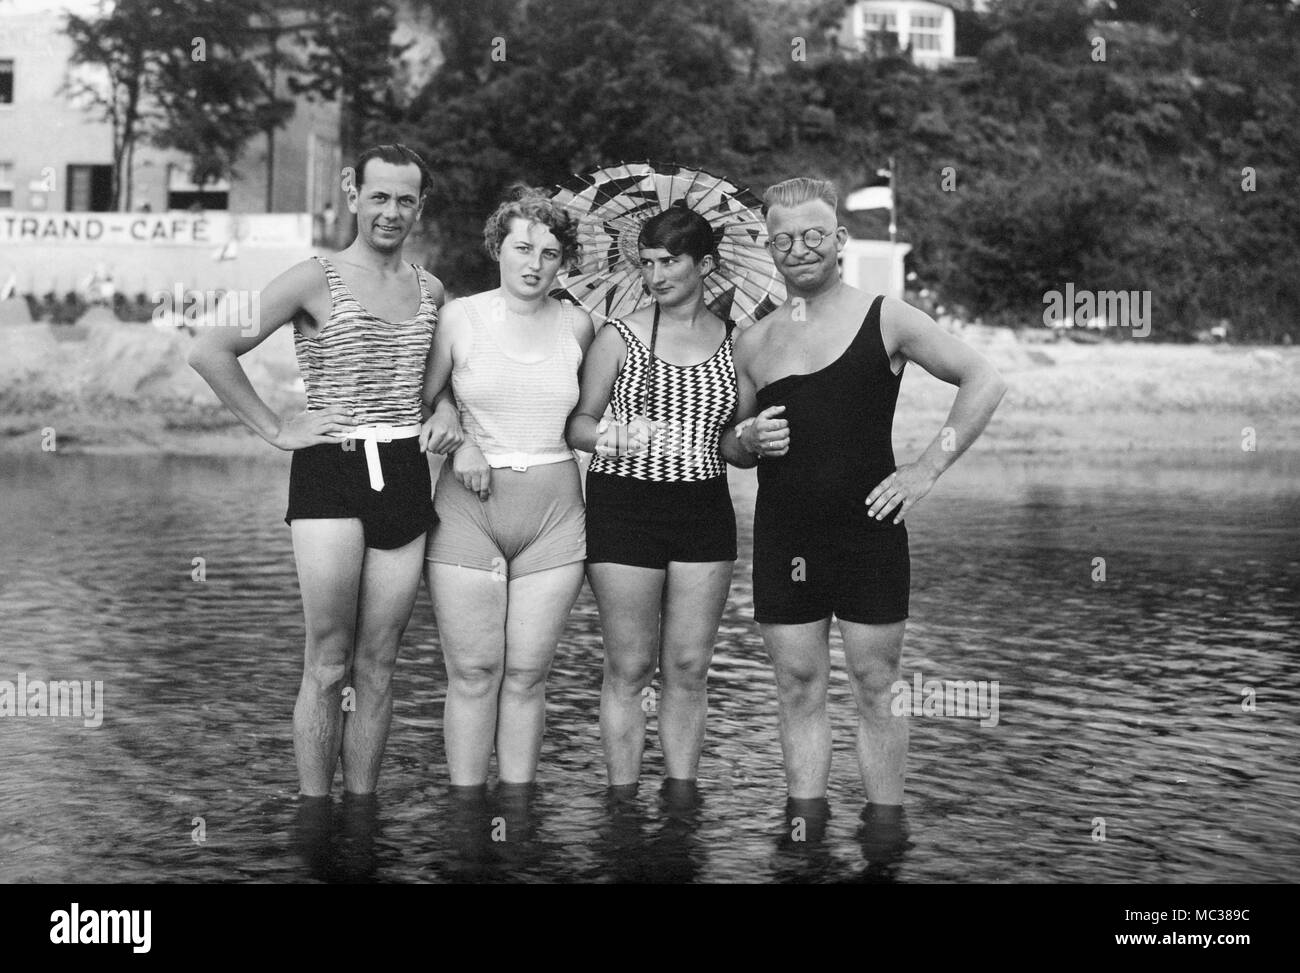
(629, 599)
(390, 580)
(695, 596)
(538, 605)
(471, 609)
(872, 654)
(801, 656)
(329, 554)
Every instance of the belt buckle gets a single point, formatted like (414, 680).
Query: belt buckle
(384, 435)
(519, 463)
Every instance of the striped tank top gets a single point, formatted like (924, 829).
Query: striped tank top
(513, 407)
(360, 363)
(691, 403)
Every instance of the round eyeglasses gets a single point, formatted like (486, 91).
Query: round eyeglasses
(784, 242)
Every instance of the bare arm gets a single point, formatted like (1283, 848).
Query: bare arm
(600, 368)
(216, 352)
(441, 430)
(768, 434)
(911, 332)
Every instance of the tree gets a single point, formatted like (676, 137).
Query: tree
(122, 45)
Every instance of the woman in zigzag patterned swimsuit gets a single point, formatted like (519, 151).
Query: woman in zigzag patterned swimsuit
(661, 531)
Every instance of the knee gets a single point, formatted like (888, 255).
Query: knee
(628, 677)
(374, 672)
(874, 680)
(475, 681)
(688, 673)
(525, 680)
(801, 685)
(324, 676)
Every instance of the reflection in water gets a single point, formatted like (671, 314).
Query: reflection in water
(884, 838)
(1158, 703)
(336, 843)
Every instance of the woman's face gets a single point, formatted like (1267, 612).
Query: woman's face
(673, 280)
(529, 259)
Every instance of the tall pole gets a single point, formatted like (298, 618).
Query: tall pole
(893, 200)
(893, 224)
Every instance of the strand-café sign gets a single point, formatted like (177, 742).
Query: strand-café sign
(154, 229)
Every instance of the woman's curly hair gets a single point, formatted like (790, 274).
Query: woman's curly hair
(535, 206)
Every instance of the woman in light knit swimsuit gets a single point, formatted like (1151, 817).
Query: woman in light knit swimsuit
(505, 563)
(661, 531)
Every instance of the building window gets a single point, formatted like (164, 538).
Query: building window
(6, 82)
(879, 21)
(6, 185)
(90, 189)
(184, 193)
(925, 33)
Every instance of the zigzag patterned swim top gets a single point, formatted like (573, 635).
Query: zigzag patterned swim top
(692, 403)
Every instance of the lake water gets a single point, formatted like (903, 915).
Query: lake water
(1147, 727)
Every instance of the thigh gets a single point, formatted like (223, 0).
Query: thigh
(390, 580)
(694, 598)
(793, 569)
(629, 600)
(872, 576)
(800, 652)
(470, 607)
(463, 536)
(329, 554)
(538, 606)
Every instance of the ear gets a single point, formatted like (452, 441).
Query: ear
(841, 237)
(348, 181)
(708, 264)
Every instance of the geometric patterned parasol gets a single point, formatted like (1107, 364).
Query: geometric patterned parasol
(613, 202)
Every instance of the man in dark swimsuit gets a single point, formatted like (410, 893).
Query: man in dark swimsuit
(829, 539)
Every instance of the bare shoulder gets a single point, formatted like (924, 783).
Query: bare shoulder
(753, 339)
(453, 317)
(581, 318)
(436, 290)
(304, 279)
(901, 324)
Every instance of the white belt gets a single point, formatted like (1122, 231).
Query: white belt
(372, 436)
(521, 461)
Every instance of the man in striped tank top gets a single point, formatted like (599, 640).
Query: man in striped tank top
(360, 495)
(829, 540)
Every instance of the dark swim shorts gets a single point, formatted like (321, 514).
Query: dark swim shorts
(804, 572)
(646, 524)
(331, 482)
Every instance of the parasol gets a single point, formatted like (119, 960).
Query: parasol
(613, 202)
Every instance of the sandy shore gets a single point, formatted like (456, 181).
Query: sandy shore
(104, 386)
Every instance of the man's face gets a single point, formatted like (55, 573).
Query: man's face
(387, 203)
(805, 268)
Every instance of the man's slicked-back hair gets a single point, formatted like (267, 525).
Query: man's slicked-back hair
(395, 154)
(799, 190)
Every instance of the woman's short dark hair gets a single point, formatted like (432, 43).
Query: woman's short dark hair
(395, 154)
(532, 205)
(679, 230)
